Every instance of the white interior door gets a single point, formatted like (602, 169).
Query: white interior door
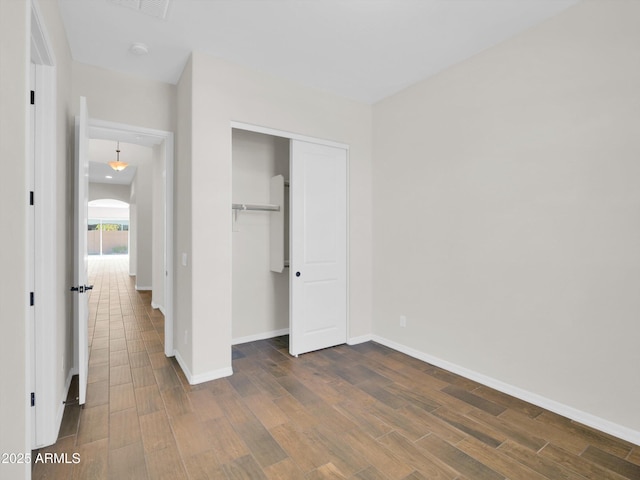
(318, 247)
(80, 290)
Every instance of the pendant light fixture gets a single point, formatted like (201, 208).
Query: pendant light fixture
(118, 166)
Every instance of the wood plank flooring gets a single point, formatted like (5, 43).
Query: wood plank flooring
(351, 412)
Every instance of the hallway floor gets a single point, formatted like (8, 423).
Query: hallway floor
(361, 412)
(126, 354)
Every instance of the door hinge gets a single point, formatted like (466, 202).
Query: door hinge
(33, 399)
(31, 198)
(33, 97)
(32, 299)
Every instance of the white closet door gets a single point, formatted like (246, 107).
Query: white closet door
(318, 247)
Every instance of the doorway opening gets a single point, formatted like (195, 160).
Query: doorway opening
(150, 201)
(256, 159)
(155, 170)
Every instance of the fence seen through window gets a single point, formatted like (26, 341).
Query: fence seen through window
(108, 237)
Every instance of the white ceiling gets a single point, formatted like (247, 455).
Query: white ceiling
(360, 49)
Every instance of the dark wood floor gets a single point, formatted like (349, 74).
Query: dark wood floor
(357, 412)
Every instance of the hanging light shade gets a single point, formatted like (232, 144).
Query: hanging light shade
(118, 166)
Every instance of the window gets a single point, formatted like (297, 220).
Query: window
(108, 237)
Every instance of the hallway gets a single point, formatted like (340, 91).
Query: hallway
(129, 376)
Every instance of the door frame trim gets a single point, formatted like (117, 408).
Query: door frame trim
(249, 127)
(47, 415)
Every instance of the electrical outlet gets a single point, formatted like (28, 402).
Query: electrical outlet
(186, 337)
(403, 321)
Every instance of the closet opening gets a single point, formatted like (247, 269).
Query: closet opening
(260, 236)
(289, 246)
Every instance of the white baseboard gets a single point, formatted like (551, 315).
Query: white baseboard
(139, 288)
(260, 336)
(360, 339)
(157, 307)
(572, 413)
(202, 377)
(285, 331)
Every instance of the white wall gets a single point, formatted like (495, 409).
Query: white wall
(183, 221)
(219, 92)
(118, 97)
(506, 208)
(98, 191)
(133, 230)
(158, 225)
(14, 61)
(260, 297)
(143, 220)
(109, 213)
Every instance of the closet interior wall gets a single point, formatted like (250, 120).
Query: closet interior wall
(260, 297)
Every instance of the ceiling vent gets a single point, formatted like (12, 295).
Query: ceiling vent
(153, 8)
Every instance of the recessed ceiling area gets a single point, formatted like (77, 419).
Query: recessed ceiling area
(360, 49)
(101, 152)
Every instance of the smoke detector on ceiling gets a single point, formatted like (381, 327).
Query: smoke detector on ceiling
(153, 8)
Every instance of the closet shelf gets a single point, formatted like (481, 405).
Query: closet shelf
(256, 207)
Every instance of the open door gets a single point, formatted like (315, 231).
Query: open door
(318, 247)
(80, 287)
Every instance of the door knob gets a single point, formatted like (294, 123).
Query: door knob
(297, 274)
(82, 288)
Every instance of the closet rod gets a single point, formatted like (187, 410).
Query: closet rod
(257, 207)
